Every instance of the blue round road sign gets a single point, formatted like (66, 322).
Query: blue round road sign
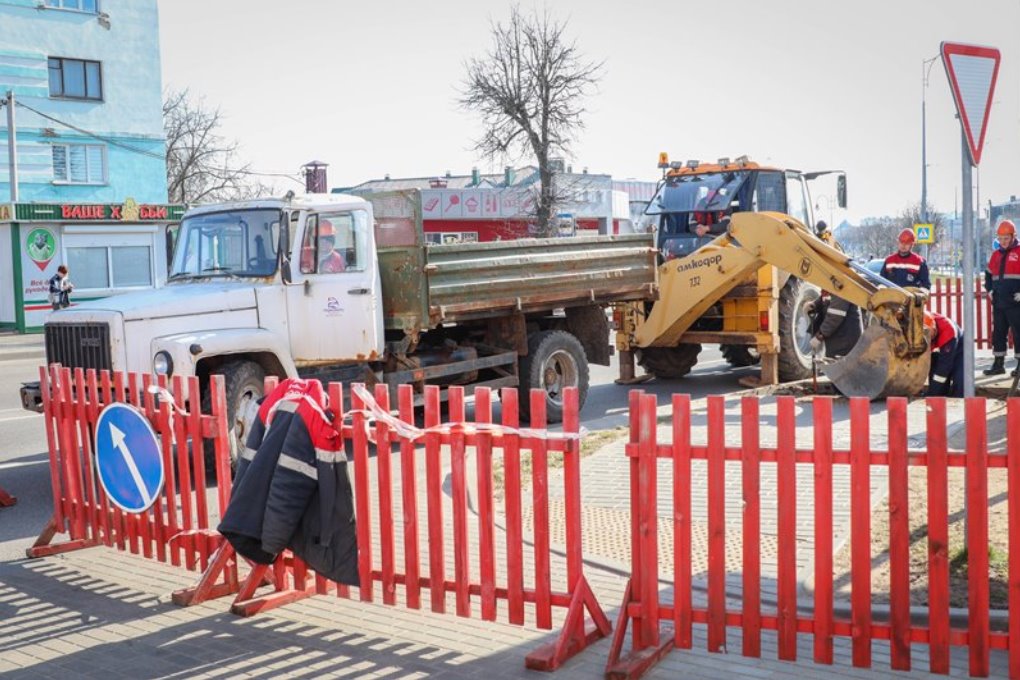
(128, 459)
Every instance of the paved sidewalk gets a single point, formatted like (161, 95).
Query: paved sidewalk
(104, 614)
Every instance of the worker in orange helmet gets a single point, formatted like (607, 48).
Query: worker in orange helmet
(1002, 281)
(945, 377)
(330, 261)
(905, 267)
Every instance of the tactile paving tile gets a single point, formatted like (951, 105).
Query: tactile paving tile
(606, 534)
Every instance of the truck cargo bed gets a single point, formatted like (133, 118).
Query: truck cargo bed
(426, 285)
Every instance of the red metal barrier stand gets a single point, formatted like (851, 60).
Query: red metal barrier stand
(648, 646)
(938, 538)
(751, 526)
(1013, 500)
(577, 633)
(860, 532)
(977, 537)
(822, 413)
(68, 510)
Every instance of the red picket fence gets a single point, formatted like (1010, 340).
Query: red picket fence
(178, 527)
(404, 565)
(642, 606)
(947, 299)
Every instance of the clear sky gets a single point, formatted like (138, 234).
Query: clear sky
(370, 87)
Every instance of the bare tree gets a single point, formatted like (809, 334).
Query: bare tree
(202, 166)
(529, 90)
(874, 237)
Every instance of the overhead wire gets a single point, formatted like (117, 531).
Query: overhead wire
(128, 147)
(89, 133)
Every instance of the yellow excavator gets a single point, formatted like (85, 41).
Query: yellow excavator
(891, 358)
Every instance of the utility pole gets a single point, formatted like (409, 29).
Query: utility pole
(12, 152)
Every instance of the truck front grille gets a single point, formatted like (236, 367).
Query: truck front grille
(79, 345)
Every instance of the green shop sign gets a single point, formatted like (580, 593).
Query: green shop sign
(128, 211)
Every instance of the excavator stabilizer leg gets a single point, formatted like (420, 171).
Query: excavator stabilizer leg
(873, 370)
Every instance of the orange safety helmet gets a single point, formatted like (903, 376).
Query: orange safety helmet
(907, 236)
(326, 228)
(1006, 228)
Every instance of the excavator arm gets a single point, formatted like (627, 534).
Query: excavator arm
(892, 356)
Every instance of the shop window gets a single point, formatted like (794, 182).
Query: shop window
(80, 5)
(79, 163)
(75, 79)
(106, 267)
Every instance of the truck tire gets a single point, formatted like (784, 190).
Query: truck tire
(555, 360)
(739, 356)
(795, 330)
(669, 362)
(244, 385)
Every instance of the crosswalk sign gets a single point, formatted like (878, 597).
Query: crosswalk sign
(924, 233)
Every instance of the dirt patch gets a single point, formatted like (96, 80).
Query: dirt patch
(918, 514)
(590, 443)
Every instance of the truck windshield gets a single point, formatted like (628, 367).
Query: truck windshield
(708, 192)
(230, 243)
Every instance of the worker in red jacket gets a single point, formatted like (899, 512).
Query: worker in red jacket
(945, 377)
(1002, 281)
(905, 267)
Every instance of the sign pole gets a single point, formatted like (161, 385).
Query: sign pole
(968, 269)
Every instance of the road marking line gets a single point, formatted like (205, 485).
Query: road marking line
(27, 415)
(10, 466)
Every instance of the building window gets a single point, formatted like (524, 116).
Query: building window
(75, 79)
(79, 163)
(106, 267)
(80, 5)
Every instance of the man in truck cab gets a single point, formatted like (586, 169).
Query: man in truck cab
(906, 268)
(330, 260)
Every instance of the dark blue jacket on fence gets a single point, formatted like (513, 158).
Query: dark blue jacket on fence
(291, 489)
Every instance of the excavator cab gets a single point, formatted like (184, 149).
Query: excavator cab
(685, 201)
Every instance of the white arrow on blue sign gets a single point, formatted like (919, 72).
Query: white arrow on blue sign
(128, 458)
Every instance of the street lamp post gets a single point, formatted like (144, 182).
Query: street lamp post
(925, 72)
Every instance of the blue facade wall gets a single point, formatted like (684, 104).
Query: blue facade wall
(123, 36)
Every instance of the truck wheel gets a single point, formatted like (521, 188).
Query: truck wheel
(795, 330)
(740, 355)
(244, 386)
(555, 360)
(669, 362)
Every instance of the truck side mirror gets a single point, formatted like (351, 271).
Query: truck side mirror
(841, 191)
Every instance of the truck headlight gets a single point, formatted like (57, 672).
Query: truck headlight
(163, 364)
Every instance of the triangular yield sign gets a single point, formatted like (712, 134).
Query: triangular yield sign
(972, 71)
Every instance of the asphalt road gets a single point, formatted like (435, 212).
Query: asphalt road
(24, 461)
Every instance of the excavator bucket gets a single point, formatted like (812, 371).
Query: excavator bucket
(873, 370)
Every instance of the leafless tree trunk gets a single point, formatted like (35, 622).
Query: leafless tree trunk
(529, 90)
(202, 166)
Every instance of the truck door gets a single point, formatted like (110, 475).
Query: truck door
(336, 311)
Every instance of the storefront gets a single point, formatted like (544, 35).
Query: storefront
(108, 248)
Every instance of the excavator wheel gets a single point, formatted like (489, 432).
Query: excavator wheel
(795, 330)
(739, 356)
(669, 362)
